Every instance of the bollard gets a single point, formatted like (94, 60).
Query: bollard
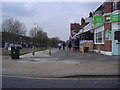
(49, 50)
(99, 49)
(83, 51)
(33, 50)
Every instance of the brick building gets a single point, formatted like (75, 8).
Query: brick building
(103, 27)
(74, 28)
(103, 35)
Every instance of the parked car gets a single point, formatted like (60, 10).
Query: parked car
(16, 46)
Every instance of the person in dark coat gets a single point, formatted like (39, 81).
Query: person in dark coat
(63, 45)
(69, 45)
(59, 46)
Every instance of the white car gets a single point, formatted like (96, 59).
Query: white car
(16, 45)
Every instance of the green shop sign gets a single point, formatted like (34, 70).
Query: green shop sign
(115, 17)
(98, 25)
(98, 21)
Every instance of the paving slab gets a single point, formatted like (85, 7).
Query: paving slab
(60, 65)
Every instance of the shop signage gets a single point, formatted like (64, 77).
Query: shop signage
(89, 19)
(107, 18)
(98, 25)
(108, 35)
(115, 17)
(97, 13)
(98, 21)
(88, 27)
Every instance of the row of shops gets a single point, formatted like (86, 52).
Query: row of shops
(101, 33)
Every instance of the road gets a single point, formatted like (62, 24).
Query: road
(34, 82)
(30, 71)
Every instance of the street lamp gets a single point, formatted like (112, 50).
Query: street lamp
(33, 49)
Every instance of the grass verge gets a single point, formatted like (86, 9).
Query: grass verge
(23, 51)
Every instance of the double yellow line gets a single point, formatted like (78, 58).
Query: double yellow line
(28, 77)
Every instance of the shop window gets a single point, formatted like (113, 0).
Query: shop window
(99, 36)
(117, 35)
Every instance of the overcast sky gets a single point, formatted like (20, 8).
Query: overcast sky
(53, 17)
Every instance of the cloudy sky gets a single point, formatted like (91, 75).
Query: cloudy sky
(53, 17)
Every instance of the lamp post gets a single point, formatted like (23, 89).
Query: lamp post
(33, 48)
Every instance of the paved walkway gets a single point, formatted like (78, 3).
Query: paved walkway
(59, 64)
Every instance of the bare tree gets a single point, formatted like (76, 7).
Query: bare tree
(13, 26)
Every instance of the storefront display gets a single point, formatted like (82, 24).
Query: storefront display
(86, 45)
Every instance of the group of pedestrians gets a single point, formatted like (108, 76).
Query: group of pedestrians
(63, 45)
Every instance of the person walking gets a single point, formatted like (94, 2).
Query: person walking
(59, 46)
(69, 45)
(63, 45)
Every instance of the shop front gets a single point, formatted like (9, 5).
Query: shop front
(115, 19)
(86, 38)
(86, 45)
(75, 42)
(102, 31)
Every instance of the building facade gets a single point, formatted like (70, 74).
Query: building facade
(74, 28)
(103, 28)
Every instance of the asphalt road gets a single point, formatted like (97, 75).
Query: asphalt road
(25, 82)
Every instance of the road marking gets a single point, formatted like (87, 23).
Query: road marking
(70, 62)
(22, 61)
(29, 77)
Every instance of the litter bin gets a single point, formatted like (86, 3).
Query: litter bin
(14, 53)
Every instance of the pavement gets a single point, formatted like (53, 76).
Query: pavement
(58, 64)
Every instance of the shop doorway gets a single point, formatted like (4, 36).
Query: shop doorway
(116, 41)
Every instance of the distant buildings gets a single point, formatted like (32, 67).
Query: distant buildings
(102, 27)
(74, 27)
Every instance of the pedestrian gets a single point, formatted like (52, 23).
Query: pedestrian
(69, 45)
(59, 46)
(63, 45)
